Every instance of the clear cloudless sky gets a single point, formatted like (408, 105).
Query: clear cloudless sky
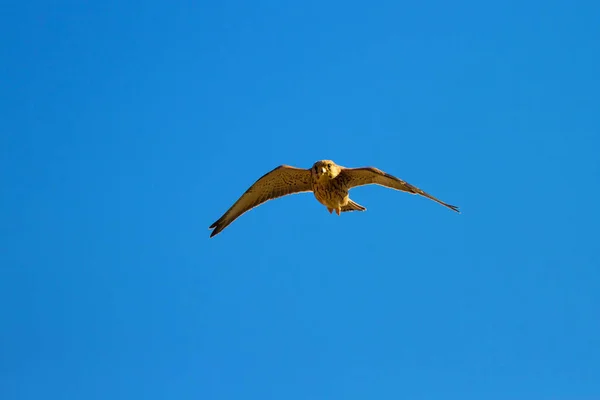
(127, 128)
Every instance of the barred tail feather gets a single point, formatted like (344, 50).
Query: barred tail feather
(352, 206)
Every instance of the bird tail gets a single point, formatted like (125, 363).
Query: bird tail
(352, 206)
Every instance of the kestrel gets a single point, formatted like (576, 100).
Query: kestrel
(328, 181)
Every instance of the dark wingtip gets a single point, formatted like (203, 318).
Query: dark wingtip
(453, 208)
(215, 227)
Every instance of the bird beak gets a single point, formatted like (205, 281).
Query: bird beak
(323, 170)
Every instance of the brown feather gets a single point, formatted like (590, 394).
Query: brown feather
(281, 181)
(352, 177)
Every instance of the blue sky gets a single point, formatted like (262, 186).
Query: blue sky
(127, 129)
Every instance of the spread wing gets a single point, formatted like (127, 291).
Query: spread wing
(353, 177)
(281, 181)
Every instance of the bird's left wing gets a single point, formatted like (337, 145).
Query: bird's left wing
(353, 177)
(279, 182)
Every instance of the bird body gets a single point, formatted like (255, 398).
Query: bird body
(329, 182)
(330, 189)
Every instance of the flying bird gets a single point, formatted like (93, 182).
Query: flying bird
(328, 181)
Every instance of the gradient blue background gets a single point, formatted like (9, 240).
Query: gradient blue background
(128, 128)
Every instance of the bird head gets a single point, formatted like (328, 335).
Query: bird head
(325, 169)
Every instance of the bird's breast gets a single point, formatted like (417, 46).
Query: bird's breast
(328, 193)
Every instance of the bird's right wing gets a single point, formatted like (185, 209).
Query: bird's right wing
(281, 181)
(353, 177)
